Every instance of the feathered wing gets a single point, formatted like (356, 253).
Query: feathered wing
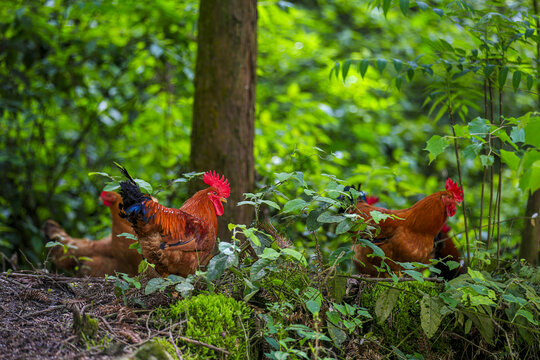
(175, 226)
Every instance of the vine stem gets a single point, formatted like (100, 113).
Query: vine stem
(452, 122)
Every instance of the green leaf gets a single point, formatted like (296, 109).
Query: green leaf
(511, 159)
(435, 146)
(516, 79)
(488, 70)
(381, 64)
(484, 324)
(185, 288)
(517, 134)
(452, 264)
(398, 64)
(294, 205)
(344, 226)
(154, 285)
(471, 151)
(337, 287)
(415, 275)
(386, 6)
(527, 315)
(486, 160)
(336, 69)
(295, 254)
(100, 173)
(378, 216)
(410, 74)
(345, 70)
(530, 82)
(479, 126)
(503, 73)
(362, 67)
(270, 254)
(283, 176)
(404, 6)
(113, 185)
(311, 221)
(144, 186)
(313, 306)
(128, 236)
(328, 217)
(430, 314)
(532, 132)
(377, 251)
(439, 12)
(422, 5)
(338, 336)
(385, 303)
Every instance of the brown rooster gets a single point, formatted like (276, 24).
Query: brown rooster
(407, 236)
(176, 241)
(106, 256)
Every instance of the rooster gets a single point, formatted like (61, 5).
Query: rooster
(104, 257)
(408, 234)
(176, 241)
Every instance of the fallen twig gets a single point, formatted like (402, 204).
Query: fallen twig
(52, 308)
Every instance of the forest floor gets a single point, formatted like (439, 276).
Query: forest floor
(39, 312)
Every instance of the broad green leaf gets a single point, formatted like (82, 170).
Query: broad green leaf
(430, 314)
(378, 216)
(336, 69)
(532, 132)
(329, 217)
(381, 64)
(510, 158)
(294, 205)
(527, 315)
(386, 6)
(398, 64)
(258, 269)
(486, 160)
(530, 82)
(271, 203)
(345, 70)
(313, 306)
(339, 336)
(270, 254)
(484, 324)
(385, 303)
(404, 6)
(479, 126)
(283, 176)
(184, 288)
(516, 79)
(154, 285)
(344, 226)
(311, 221)
(422, 5)
(113, 185)
(146, 187)
(362, 67)
(488, 70)
(100, 173)
(377, 251)
(471, 151)
(295, 254)
(452, 264)
(517, 134)
(435, 146)
(415, 275)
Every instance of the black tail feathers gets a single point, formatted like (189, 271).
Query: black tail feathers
(132, 197)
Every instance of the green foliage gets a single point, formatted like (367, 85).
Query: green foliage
(217, 320)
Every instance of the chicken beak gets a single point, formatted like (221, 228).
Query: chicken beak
(223, 200)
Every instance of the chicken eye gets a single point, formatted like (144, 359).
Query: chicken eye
(215, 193)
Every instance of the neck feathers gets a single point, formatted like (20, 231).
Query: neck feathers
(428, 215)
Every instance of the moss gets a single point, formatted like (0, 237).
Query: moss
(217, 320)
(84, 326)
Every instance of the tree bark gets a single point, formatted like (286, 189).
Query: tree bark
(223, 127)
(530, 239)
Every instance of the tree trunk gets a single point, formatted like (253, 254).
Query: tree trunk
(224, 106)
(531, 233)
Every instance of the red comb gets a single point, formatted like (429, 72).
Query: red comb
(372, 200)
(453, 187)
(445, 228)
(221, 184)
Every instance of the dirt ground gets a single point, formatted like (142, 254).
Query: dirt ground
(37, 311)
